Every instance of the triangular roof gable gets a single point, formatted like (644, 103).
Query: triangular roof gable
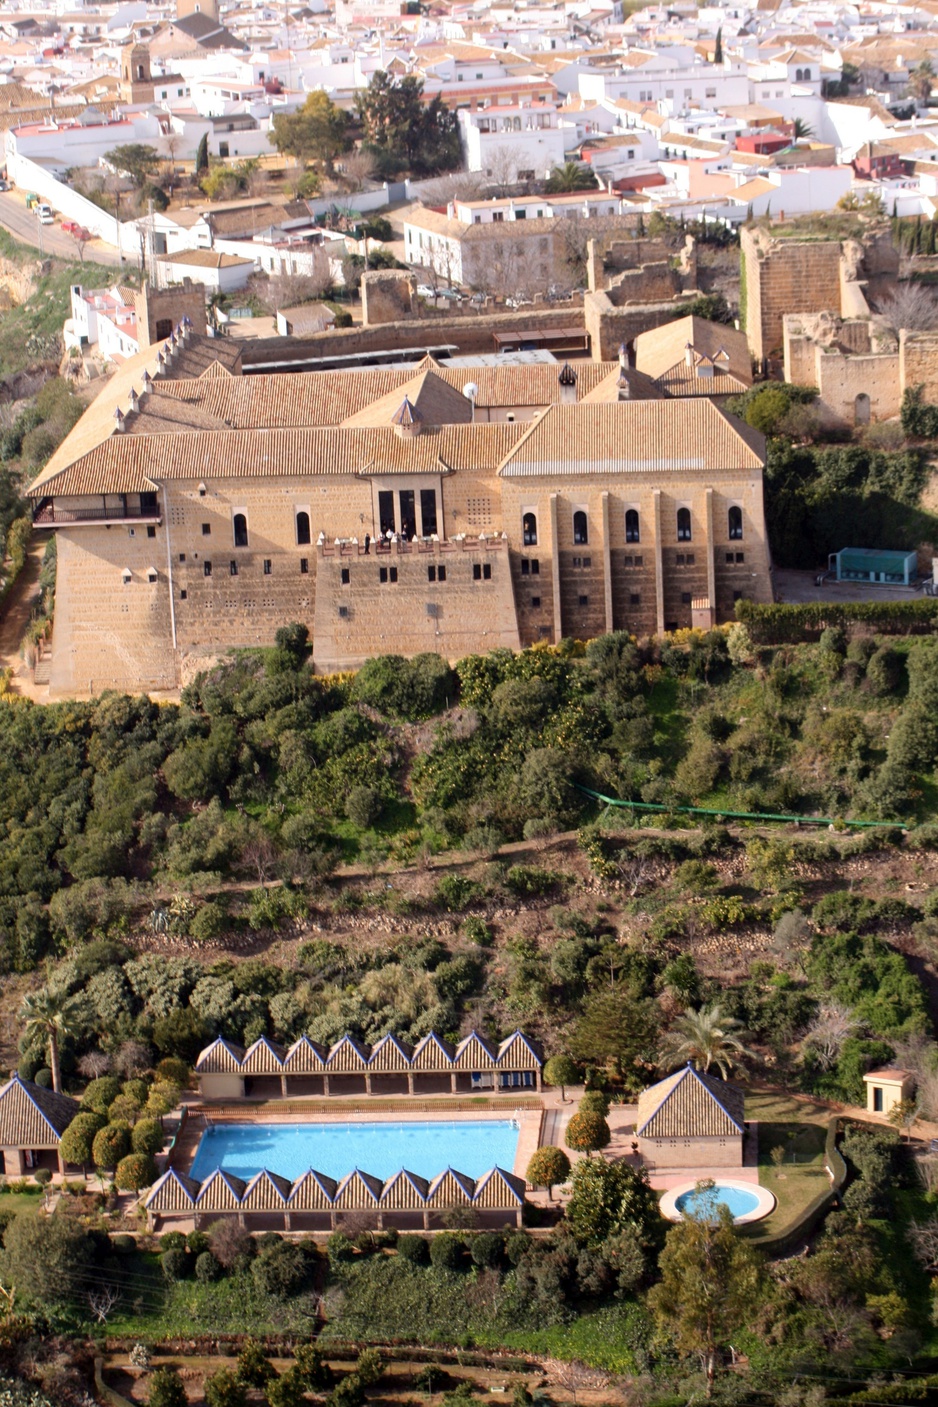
(492, 1187)
(432, 1053)
(405, 1189)
(305, 1057)
(509, 1053)
(264, 1057)
(171, 1189)
(390, 1053)
(221, 1192)
(358, 1182)
(221, 1057)
(690, 1103)
(313, 1191)
(29, 1113)
(474, 1053)
(266, 1192)
(347, 1055)
(435, 401)
(451, 1187)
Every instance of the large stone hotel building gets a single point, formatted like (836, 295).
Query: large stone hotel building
(392, 511)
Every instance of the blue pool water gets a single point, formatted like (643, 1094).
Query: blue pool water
(739, 1201)
(426, 1148)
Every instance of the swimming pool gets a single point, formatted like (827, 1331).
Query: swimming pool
(426, 1147)
(746, 1201)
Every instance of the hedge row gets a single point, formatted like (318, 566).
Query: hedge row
(783, 1242)
(782, 625)
(16, 545)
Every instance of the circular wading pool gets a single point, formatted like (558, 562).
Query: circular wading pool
(747, 1201)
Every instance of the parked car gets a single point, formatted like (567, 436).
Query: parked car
(46, 217)
(5, 186)
(80, 232)
(453, 294)
(425, 291)
(70, 226)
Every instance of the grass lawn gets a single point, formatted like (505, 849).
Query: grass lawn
(20, 1201)
(798, 1126)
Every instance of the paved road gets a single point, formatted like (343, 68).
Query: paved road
(24, 226)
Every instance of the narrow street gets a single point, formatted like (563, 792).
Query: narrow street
(24, 226)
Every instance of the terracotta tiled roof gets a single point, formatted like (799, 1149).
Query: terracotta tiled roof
(690, 1104)
(33, 1117)
(634, 437)
(661, 353)
(388, 1055)
(432, 399)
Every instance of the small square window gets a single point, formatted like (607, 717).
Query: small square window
(206, 529)
(629, 561)
(182, 556)
(183, 595)
(232, 569)
(587, 561)
(729, 557)
(535, 567)
(343, 612)
(267, 566)
(689, 559)
(679, 559)
(431, 573)
(578, 561)
(737, 595)
(441, 574)
(346, 576)
(536, 602)
(151, 531)
(206, 569)
(635, 599)
(582, 600)
(304, 566)
(685, 598)
(393, 572)
(382, 575)
(638, 561)
(740, 556)
(477, 571)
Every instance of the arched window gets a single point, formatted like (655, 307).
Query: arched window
(580, 530)
(683, 525)
(302, 528)
(240, 530)
(632, 533)
(735, 519)
(861, 409)
(529, 530)
(807, 75)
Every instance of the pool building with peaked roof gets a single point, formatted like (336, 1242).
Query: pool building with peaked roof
(691, 1119)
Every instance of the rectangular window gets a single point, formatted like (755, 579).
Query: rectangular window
(583, 600)
(428, 511)
(232, 569)
(679, 559)
(535, 567)
(737, 595)
(267, 566)
(392, 572)
(486, 571)
(740, 556)
(304, 566)
(431, 573)
(525, 567)
(685, 598)
(206, 569)
(183, 595)
(408, 514)
(536, 602)
(346, 576)
(206, 529)
(578, 561)
(689, 559)
(441, 574)
(382, 575)
(343, 612)
(386, 512)
(151, 532)
(182, 556)
(587, 561)
(635, 599)
(628, 561)
(477, 571)
(729, 557)
(638, 561)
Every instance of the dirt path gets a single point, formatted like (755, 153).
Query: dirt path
(15, 619)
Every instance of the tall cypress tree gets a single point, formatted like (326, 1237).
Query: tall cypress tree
(718, 47)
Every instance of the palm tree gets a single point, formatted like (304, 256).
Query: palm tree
(803, 130)
(571, 176)
(49, 1013)
(920, 82)
(704, 1038)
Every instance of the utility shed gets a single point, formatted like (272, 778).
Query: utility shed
(867, 564)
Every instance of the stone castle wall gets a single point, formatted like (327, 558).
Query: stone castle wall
(785, 276)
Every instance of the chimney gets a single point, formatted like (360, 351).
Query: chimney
(118, 421)
(688, 354)
(567, 383)
(406, 421)
(133, 401)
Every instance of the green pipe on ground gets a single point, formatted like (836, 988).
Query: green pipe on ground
(740, 815)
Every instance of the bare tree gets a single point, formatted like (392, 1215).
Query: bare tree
(133, 1058)
(502, 170)
(358, 166)
(80, 236)
(575, 1377)
(103, 1302)
(290, 290)
(912, 306)
(923, 1236)
(171, 142)
(94, 1064)
(826, 1035)
(458, 185)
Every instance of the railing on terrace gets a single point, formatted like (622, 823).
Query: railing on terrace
(349, 547)
(47, 514)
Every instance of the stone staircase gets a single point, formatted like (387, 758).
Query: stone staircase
(43, 671)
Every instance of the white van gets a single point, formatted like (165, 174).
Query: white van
(45, 214)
